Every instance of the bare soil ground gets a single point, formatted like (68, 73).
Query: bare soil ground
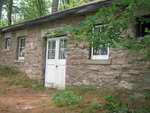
(16, 99)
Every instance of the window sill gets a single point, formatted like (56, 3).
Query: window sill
(98, 62)
(19, 61)
(7, 49)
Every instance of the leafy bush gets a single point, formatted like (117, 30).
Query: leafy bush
(5, 68)
(68, 98)
(112, 106)
(96, 105)
(147, 97)
(14, 78)
(8, 71)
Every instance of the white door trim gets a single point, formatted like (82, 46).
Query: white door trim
(58, 75)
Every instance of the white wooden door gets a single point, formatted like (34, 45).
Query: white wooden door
(56, 63)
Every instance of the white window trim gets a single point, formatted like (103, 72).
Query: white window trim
(20, 58)
(57, 39)
(99, 57)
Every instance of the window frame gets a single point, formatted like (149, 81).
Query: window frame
(99, 57)
(140, 26)
(8, 41)
(19, 46)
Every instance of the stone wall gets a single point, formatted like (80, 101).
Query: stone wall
(121, 70)
(31, 65)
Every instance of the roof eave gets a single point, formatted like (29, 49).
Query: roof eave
(59, 15)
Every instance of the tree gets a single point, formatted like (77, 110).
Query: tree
(9, 13)
(33, 8)
(55, 4)
(1, 4)
(64, 4)
(39, 5)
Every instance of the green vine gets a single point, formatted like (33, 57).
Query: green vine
(116, 19)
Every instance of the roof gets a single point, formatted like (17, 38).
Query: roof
(88, 7)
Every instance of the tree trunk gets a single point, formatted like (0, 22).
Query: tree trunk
(10, 5)
(40, 7)
(68, 1)
(55, 6)
(1, 4)
(65, 2)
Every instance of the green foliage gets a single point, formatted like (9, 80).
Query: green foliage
(96, 105)
(112, 106)
(34, 8)
(72, 3)
(147, 97)
(3, 23)
(14, 78)
(67, 98)
(115, 20)
(45, 103)
(6, 70)
(39, 87)
(24, 10)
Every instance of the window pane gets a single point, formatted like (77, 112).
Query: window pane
(21, 53)
(8, 43)
(103, 48)
(51, 54)
(22, 43)
(21, 47)
(51, 49)
(62, 48)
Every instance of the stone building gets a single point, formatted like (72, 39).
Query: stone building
(59, 64)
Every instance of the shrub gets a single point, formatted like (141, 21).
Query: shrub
(68, 98)
(6, 70)
(96, 105)
(113, 107)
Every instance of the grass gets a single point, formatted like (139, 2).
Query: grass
(95, 101)
(14, 77)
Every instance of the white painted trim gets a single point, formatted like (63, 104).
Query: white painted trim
(58, 61)
(99, 57)
(57, 38)
(20, 58)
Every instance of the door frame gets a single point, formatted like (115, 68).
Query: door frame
(57, 51)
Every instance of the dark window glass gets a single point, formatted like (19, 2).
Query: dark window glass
(141, 26)
(103, 48)
(8, 40)
(21, 47)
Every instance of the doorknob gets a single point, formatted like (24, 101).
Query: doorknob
(56, 66)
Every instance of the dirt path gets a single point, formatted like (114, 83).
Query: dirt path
(15, 99)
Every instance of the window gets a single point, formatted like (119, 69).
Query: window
(8, 40)
(101, 52)
(21, 49)
(142, 26)
(62, 48)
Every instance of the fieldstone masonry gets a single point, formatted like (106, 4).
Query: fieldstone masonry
(121, 70)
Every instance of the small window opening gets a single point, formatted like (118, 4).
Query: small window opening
(101, 52)
(8, 40)
(142, 25)
(21, 49)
